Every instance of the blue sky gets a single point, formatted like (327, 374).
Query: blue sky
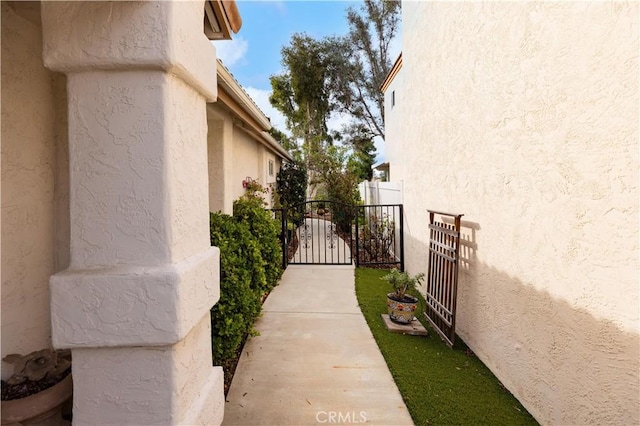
(267, 26)
(254, 53)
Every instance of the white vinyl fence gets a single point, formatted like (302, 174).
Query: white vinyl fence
(380, 192)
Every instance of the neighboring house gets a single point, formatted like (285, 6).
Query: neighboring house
(524, 116)
(105, 200)
(382, 170)
(240, 147)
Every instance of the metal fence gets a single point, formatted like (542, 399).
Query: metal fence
(442, 276)
(379, 232)
(328, 233)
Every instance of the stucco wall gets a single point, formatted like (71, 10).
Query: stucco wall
(61, 179)
(28, 202)
(134, 305)
(247, 160)
(394, 102)
(524, 117)
(269, 175)
(234, 154)
(216, 154)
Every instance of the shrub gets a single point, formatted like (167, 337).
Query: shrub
(242, 283)
(291, 185)
(249, 209)
(377, 238)
(250, 266)
(342, 190)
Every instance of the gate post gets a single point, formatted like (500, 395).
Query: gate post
(401, 239)
(285, 241)
(357, 245)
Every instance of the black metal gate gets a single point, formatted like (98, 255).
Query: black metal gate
(442, 278)
(330, 233)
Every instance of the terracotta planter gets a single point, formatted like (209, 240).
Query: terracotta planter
(42, 408)
(402, 310)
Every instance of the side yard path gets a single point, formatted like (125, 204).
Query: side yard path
(315, 360)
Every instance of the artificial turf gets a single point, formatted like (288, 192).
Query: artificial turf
(440, 386)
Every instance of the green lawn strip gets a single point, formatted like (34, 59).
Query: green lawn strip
(439, 385)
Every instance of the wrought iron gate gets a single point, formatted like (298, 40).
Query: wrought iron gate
(331, 233)
(322, 234)
(380, 236)
(442, 276)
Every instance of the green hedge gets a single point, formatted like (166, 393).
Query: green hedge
(241, 285)
(250, 210)
(250, 266)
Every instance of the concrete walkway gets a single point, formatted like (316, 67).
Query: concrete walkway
(315, 361)
(319, 243)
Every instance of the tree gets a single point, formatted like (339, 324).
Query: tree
(338, 74)
(287, 143)
(363, 156)
(339, 184)
(364, 62)
(301, 92)
(291, 187)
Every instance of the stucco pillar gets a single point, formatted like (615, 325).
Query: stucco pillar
(221, 161)
(134, 304)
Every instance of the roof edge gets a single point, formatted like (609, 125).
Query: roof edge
(230, 8)
(392, 74)
(241, 96)
(273, 143)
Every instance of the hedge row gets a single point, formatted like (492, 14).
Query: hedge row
(250, 266)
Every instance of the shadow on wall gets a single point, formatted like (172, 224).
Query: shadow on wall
(563, 364)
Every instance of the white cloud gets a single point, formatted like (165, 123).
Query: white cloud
(280, 6)
(231, 51)
(261, 98)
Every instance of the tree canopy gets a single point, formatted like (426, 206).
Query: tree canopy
(365, 62)
(301, 92)
(338, 74)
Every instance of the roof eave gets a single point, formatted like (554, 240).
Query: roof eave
(392, 74)
(221, 19)
(275, 145)
(232, 87)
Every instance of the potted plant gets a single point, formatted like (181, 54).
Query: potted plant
(40, 384)
(400, 305)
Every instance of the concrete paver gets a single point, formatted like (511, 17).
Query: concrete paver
(315, 360)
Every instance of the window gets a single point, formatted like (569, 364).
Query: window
(270, 167)
(393, 98)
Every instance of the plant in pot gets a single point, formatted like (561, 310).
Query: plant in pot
(40, 384)
(401, 306)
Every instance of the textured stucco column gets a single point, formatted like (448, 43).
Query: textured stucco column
(221, 160)
(134, 303)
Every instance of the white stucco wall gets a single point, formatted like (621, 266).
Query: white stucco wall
(394, 124)
(524, 117)
(268, 178)
(28, 203)
(219, 153)
(181, 375)
(247, 160)
(235, 154)
(134, 305)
